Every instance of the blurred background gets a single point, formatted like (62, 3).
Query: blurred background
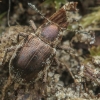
(21, 13)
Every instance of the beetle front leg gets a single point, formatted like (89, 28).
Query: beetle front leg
(45, 72)
(65, 48)
(22, 35)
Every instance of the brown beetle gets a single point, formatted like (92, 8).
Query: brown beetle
(33, 57)
(38, 51)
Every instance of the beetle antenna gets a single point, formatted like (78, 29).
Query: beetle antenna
(34, 8)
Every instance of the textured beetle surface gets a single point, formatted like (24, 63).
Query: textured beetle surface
(38, 51)
(32, 57)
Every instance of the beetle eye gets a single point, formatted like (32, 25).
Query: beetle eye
(50, 32)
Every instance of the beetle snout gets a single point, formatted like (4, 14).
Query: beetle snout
(50, 32)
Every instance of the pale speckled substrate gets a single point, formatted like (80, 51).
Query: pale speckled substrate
(54, 88)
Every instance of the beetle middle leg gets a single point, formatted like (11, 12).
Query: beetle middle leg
(71, 52)
(63, 64)
(22, 35)
(8, 83)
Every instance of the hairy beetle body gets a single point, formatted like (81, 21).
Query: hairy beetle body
(31, 58)
(39, 50)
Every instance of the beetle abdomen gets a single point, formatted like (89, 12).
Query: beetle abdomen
(31, 59)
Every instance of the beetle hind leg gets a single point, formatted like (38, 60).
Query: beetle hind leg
(8, 83)
(59, 63)
(6, 52)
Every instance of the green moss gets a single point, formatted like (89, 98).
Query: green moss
(92, 18)
(2, 15)
(56, 3)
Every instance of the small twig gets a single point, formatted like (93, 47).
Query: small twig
(8, 13)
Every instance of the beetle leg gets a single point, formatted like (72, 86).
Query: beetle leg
(10, 78)
(33, 25)
(6, 52)
(23, 35)
(45, 72)
(12, 58)
(8, 83)
(67, 49)
(59, 63)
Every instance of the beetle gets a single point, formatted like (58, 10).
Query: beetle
(33, 56)
(36, 54)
